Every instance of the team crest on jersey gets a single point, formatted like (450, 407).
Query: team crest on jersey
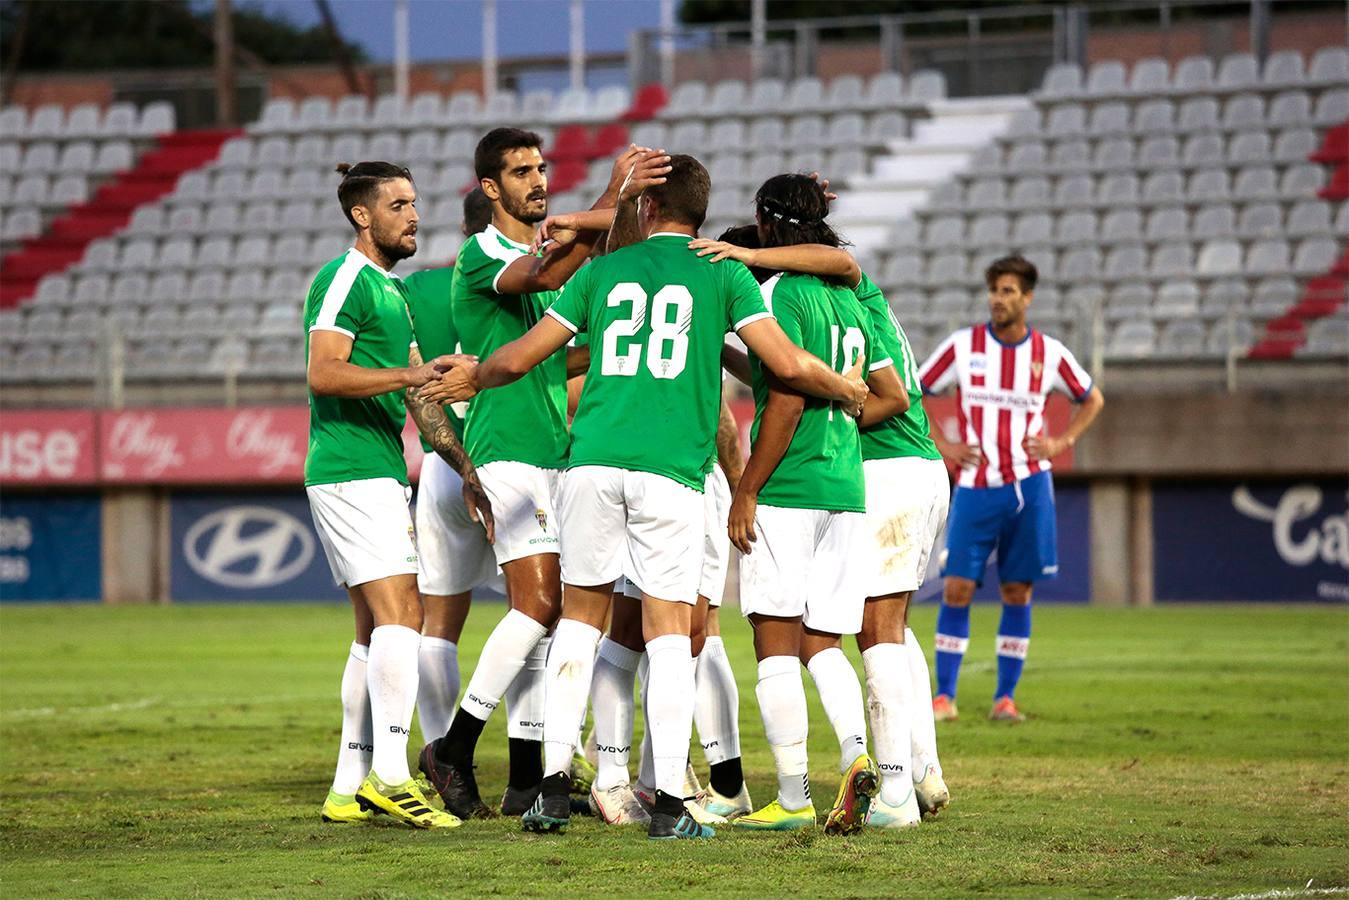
(1037, 367)
(542, 518)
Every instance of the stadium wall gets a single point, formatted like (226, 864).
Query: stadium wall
(1238, 497)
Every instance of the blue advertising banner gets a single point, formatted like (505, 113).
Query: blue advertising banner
(1072, 505)
(1280, 540)
(243, 546)
(50, 548)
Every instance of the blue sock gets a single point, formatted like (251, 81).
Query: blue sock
(953, 637)
(1013, 641)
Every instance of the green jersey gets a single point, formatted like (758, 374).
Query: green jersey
(521, 422)
(822, 468)
(657, 315)
(907, 433)
(355, 439)
(428, 296)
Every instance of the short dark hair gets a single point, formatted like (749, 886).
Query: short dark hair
(477, 211)
(793, 209)
(490, 156)
(360, 184)
(746, 236)
(683, 196)
(1017, 265)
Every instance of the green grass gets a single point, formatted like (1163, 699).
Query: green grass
(186, 751)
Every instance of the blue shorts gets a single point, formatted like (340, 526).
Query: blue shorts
(1017, 519)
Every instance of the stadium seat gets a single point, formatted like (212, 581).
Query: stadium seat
(1225, 297)
(1125, 261)
(1218, 220)
(1316, 256)
(1155, 153)
(1184, 339)
(1243, 111)
(1260, 220)
(1122, 226)
(13, 121)
(157, 118)
(47, 121)
(1238, 71)
(1290, 109)
(1330, 66)
(1076, 227)
(1171, 261)
(1062, 80)
(1268, 257)
(1071, 156)
(1327, 337)
(650, 99)
(1284, 68)
(1332, 108)
(1177, 299)
(1210, 186)
(1219, 257)
(463, 108)
(884, 91)
(1150, 76)
(688, 99)
(1154, 117)
(1294, 145)
(1194, 74)
(1133, 339)
(1273, 297)
(845, 93)
(926, 86)
(1067, 120)
(120, 120)
(728, 98)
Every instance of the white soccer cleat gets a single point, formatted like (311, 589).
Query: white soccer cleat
(931, 792)
(727, 807)
(701, 814)
(618, 805)
(882, 815)
(692, 787)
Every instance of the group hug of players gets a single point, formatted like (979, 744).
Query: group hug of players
(621, 517)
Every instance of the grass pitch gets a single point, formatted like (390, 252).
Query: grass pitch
(186, 751)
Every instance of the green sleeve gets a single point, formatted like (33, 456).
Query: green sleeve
(746, 302)
(354, 312)
(780, 299)
(572, 307)
(481, 262)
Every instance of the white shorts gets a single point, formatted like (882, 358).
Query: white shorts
(455, 556)
(619, 521)
(524, 506)
(716, 541)
(365, 528)
(803, 565)
(907, 499)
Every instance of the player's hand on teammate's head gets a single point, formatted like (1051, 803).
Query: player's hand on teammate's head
(829, 196)
(857, 380)
(648, 169)
(720, 250)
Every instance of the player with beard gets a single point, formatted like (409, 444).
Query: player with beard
(363, 367)
(517, 436)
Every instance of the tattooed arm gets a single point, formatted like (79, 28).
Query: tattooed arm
(434, 426)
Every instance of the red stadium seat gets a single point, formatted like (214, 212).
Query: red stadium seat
(1334, 149)
(609, 139)
(649, 101)
(566, 174)
(1321, 296)
(572, 143)
(1338, 188)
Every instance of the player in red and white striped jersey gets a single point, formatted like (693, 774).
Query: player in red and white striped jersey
(1002, 371)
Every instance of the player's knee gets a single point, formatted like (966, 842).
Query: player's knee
(1016, 593)
(958, 592)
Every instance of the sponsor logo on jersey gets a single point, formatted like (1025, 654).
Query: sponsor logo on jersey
(248, 547)
(978, 362)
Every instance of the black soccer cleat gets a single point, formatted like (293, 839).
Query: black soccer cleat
(517, 801)
(665, 827)
(457, 787)
(551, 811)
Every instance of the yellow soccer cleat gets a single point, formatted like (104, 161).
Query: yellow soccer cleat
(860, 784)
(342, 809)
(774, 817)
(404, 802)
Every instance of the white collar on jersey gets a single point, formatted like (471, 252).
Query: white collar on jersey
(492, 231)
(671, 234)
(372, 264)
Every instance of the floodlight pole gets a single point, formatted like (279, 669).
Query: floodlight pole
(667, 50)
(226, 112)
(400, 49)
(489, 48)
(577, 55)
(758, 15)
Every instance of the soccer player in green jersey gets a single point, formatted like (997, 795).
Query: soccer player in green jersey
(517, 438)
(641, 441)
(802, 497)
(906, 498)
(363, 367)
(454, 553)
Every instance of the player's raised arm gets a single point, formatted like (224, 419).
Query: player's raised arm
(810, 259)
(781, 414)
(800, 370)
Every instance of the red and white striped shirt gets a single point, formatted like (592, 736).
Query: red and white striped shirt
(1000, 396)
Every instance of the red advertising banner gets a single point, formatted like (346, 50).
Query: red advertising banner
(204, 446)
(249, 445)
(48, 447)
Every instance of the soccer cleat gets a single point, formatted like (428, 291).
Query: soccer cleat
(618, 805)
(517, 801)
(342, 809)
(701, 815)
(645, 795)
(882, 815)
(944, 708)
(551, 811)
(1005, 711)
(775, 817)
(931, 791)
(855, 792)
(582, 774)
(403, 802)
(457, 787)
(728, 808)
(669, 828)
(692, 787)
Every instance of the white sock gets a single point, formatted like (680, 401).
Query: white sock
(923, 726)
(571, 661)
(438, 685)
(646, 768)
(502, 658)
(611, 704)
(782, 703)
(841, 696)
(353, 754)
(717, 706)
(392, 677)
(889, 698)
(525, 696)
(671, 709)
